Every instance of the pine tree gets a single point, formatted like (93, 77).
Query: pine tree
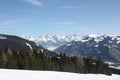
(1, 59)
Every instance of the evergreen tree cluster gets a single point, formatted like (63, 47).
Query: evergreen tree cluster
(39, 60)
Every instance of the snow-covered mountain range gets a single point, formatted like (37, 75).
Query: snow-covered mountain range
(106, 46)
(54, 42)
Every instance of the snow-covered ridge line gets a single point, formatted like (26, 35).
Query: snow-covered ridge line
(51, 75)
(53, 42)
(46, 38)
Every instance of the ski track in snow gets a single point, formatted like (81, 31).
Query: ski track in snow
(6, 74)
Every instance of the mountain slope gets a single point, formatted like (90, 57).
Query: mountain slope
(17, 43)
(106, 47)
(51, 75)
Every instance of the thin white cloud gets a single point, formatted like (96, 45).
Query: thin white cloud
(34, 2)
(73, 7)
(65, 23)
(68, 7)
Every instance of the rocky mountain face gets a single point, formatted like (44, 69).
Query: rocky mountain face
(106, 47)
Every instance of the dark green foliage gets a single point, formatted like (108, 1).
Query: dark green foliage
(95, 66)
(39, 60)
(115, 71)
(1, 59)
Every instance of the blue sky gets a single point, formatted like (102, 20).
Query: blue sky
(52, 17)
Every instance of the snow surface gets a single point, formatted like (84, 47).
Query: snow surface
(51, 75)
(96, 45)
(2, 37)
(29, 45)
(51, 48)
(93, 35)
(69, 44)
(115, 67)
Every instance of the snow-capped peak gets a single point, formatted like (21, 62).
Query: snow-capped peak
(53, 42)
(93, 35)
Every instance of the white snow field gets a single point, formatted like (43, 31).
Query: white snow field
(7, 74)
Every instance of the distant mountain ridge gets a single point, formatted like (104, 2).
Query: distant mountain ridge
(53, 42)
(106, 46)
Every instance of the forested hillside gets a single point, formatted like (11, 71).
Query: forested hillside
(39, 60)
